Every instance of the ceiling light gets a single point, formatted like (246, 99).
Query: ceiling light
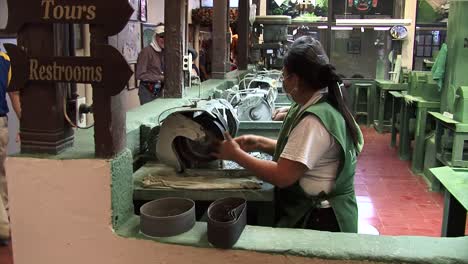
(382, 28)
(341, 28)
(373, 22)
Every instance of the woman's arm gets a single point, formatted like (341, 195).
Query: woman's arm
(282, 173)
(249, 143)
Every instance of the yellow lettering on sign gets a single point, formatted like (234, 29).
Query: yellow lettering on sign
(65, 73)
(91, 13)
(33, 69)
(49, 73)
(47, 7)
(67, 12)
(98, 77)
(58, 12)
(42, 72)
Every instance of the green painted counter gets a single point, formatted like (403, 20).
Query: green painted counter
(325, 245)
(455, 181)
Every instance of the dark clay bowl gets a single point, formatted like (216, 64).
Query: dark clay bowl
(227, 218)
(167, 217)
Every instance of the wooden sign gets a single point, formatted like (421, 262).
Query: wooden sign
(112, 15)
(110, 69)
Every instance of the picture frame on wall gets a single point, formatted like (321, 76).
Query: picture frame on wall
(136, 9)
(354, 46)
(143, 11)
(126, 41)
(147, 32)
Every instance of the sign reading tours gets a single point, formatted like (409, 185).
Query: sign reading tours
(112, 15)
(109, 69)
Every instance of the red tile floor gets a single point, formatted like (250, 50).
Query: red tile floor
(390, 197)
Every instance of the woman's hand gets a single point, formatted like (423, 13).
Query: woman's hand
(227, 149)
(280, 114)
(248, 143)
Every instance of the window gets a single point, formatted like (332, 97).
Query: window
(428, 42)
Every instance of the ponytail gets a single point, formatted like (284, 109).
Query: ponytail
(330, 79)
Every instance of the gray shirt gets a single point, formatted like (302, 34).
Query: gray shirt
(150, 65)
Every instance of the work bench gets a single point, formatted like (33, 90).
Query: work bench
(260, 199)
(455, 182)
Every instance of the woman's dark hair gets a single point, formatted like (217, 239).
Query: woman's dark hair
(307, 59)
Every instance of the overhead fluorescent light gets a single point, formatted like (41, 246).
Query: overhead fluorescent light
(341, 28)
(373, 22)
(322, 27)
(382, 28)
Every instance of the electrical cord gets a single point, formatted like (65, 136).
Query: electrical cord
(68, 118)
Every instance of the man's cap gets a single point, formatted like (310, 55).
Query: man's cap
(159, 30)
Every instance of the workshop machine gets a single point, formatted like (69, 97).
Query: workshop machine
(461, 105)
(271, 50)
(186, 136)
(252, 104)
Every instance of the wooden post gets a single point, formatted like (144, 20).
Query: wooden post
(408, 45)
(174, 22)
(109, 114)
(243, 26)
(220, 41)
(329, 31)
(43, 127)
(258, 3)
(196, 42)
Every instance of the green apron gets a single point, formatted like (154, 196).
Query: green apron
(294, 205)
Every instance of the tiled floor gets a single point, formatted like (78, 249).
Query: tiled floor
(390, 197)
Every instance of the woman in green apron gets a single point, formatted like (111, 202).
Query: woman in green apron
(314, 158)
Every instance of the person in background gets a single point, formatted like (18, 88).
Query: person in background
(203, 61)
(315, 156)
(5, 77)
(150, 68)
(233, 46)
(195, 70)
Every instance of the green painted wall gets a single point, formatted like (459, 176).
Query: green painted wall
(426, 14)
(122, 188)
(457, 56)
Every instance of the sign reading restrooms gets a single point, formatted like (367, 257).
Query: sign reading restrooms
(108, 68)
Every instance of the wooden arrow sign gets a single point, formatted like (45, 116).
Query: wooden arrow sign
(112, 15)
(109, 69)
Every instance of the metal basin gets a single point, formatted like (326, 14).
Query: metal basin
(167, 217)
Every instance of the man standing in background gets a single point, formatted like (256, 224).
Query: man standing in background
(5, 76)
(150, 68)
